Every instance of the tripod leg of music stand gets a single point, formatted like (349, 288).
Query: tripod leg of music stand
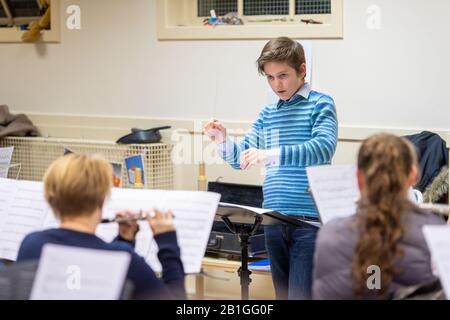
(243, 272)
(244, 236)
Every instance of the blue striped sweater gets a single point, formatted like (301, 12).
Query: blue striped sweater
(296, 133)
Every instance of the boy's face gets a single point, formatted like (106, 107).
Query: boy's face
(284, 80)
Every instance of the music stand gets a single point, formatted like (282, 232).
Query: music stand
(4, 169)
(244, 223)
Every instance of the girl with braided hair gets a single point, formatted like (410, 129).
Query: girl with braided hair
(381, 248)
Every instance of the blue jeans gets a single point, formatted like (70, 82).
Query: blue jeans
(291, 253)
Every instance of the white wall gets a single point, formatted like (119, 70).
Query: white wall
(394, 77)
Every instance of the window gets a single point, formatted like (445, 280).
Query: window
(262, 19)
(19, 12)
(222, 7)
(24, 8)
(266, 7)
(263, 7)
(312, 6)
(15, 15)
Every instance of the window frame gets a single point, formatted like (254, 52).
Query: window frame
(255, 27)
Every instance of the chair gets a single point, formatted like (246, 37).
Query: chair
(16, 282)
(424, 291)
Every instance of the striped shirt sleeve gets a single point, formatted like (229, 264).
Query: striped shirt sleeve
(322, 145)
(231, 151)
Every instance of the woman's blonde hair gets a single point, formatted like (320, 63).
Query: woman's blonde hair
(77, 184)
(385, 163)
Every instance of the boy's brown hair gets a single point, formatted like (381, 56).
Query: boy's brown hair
(282, 49)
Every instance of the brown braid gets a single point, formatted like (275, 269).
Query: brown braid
(385, 162)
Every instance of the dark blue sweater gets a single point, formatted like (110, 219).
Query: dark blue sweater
(146, 284)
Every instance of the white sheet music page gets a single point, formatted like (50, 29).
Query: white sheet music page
(194, 214)
(5, 160)
(7, 192)
(253, 209)
(438, 240)
(133, 200)
(71, 273)
(335, 190)
(262, 211)
(25, 211)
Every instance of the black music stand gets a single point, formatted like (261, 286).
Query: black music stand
(244, 223)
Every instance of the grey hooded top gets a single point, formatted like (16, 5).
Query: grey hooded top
(336, 245)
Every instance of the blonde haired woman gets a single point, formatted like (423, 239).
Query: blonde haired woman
(75, 188)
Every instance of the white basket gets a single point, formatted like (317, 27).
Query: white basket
(35, 155)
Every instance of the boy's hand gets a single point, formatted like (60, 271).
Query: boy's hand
(161, 222)
(127, 229)
(215, 131)
(252, 157)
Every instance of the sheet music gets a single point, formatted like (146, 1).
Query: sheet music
(7, 191)
(5, 160)
(335, 190)
(438, 240)
(25, 211)
(71, 273)
(194, 215)
(263, 211)
(314, 223)
(253, 209)
(132, 200)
